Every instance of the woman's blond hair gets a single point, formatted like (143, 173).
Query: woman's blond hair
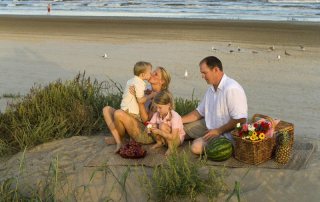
(165, 76)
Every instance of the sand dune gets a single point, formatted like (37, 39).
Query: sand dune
(75, 171)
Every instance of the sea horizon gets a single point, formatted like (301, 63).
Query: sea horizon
(261, 10)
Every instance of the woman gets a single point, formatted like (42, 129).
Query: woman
(120, 122)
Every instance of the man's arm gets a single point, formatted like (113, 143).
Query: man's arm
(224, 128)
(192, 116)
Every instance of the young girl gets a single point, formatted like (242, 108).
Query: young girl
(167, 127)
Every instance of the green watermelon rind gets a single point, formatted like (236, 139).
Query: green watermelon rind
(219, 149)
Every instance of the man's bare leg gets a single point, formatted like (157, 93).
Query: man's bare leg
(198, 146)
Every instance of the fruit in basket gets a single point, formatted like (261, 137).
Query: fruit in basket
(219, 149)
(283, 151)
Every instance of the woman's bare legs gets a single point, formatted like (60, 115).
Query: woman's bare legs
(108, 114)
(125, 123)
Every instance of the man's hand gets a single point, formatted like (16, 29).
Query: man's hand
(211, 134)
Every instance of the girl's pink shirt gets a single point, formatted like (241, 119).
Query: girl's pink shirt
(174, 123)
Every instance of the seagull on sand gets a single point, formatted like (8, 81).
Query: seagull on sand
(302, 47)
(231, 51)
(186, 74)
(286, 53)
(213, 48)
(105, 56)
(278, 57)
(229, 44)
(239, 49)
(272, 48)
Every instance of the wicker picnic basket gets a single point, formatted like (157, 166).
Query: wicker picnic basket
(256, 152)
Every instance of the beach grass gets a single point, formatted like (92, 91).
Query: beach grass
(56, 186)
(11, 95)
(184, 106)
(179, 178)
(58, 110)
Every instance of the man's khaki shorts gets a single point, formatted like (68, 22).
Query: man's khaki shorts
(196, 129)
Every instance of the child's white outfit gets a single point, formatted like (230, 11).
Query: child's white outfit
(129, 102)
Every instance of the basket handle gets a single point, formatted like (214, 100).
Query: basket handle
(265, 117)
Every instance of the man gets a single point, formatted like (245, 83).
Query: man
(223, 106)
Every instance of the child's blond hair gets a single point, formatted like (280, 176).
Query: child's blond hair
(140, 67)
(164, 97)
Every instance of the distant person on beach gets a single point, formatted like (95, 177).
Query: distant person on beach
(49, 8)
(167, 126)
(121, 122)
(223, 106)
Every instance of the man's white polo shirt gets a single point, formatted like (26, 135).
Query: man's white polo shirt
(227, 102)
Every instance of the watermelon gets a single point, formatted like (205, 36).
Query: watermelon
(219, 149)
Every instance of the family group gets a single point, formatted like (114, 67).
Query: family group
(147, 114)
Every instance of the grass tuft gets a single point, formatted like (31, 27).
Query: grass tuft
(11, 95)
(180, 177)
(184, 106)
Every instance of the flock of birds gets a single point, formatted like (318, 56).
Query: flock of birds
(271, 48)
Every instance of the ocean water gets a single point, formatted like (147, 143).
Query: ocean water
(275, 10)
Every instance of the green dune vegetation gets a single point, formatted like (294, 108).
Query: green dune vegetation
(58, 110)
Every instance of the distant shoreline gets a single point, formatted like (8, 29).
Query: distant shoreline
(266, 32)
(123, 18)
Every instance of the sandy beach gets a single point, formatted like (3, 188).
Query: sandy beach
(43, 49)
